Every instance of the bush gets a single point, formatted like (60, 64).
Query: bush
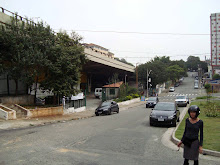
(128, 97)
(135, 95)
(211, 109)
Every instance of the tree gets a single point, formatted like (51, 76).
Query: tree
(13, 41)
(33, 53)
(64, 66)
(175, 71)
(216, 76)
(192, 62)
(158, 75)
(124, 61)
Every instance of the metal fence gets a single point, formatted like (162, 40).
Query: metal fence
(75, 103)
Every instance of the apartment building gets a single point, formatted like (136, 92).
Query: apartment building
(215, 42)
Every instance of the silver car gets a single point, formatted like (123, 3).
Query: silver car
(182, 100)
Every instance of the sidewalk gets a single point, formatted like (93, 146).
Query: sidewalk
(170, 141)
(30, 122)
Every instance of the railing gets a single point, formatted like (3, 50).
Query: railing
(21, 18)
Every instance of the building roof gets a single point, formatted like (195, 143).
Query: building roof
(115, 85)
(91, 44)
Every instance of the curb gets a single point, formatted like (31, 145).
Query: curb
(176, 141)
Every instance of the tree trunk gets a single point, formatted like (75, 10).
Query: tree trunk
(16, 87)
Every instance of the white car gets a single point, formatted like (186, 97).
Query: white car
(172, 89)
(182, 100)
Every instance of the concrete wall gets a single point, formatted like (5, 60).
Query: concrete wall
(3, 114)
(51, 111)
(129, 102)
(7, 113)
(24, 99)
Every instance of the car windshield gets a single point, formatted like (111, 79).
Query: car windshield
(164, 107)
(105, 104)
(152, 99)
(180, 97)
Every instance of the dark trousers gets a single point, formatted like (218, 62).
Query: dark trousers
(186, 162)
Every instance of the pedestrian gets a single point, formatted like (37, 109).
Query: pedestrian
(190, 139)
(63, 101)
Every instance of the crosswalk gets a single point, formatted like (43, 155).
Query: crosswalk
(172, 97)
(177, 94)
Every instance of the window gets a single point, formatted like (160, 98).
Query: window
(112, 91)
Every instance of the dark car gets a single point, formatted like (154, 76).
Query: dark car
(107, 107)
(177, 84)
(165, 113)
(152, 101)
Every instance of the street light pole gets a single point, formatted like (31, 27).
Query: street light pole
(147, 80)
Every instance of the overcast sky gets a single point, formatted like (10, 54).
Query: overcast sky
(142, 16)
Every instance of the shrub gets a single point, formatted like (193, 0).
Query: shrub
(135, 95)
(128, 97)
(211, 109)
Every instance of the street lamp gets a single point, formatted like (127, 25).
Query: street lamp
(147, 80)
(137, 75)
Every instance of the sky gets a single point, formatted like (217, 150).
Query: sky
(137, 30)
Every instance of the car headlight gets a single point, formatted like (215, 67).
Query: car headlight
(170, 117)
(153, 116)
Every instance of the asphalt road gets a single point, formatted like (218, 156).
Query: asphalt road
(124, 139)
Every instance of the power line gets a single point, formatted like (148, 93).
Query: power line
(124, 32)
(161, 53)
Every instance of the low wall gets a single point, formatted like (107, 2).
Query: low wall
(26, 111)
(3, 114)
(73, 110)
(24, 99)
(7, 113)
(50, 111)
(129, 102)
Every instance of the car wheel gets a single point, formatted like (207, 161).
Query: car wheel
(97, 114)
(151, 124)
(174, 124)
(146, 106)
(110, 112)
(118, 110)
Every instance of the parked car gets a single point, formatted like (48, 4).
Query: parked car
(152, 101)
(107, 107)
(172, 89)
(98, 92)
(182, 100)
(166, 113)
(196, 86)
(176, 84)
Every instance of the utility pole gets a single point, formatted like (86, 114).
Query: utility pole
(136, 76)
(147, 80)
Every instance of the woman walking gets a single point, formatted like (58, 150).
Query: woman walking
(192, 146)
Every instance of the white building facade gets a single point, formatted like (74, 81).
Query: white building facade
(215, 42)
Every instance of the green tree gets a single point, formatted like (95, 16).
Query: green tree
(216, 76)
(192, 62)
(13, 42)
(175, 72)
(64, 66)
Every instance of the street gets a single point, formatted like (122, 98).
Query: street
(124, 138)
